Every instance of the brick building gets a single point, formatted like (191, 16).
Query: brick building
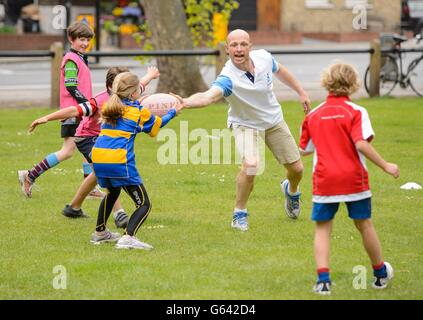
(272, 21)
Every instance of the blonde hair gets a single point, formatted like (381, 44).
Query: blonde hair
(341, 79)
(124, 85)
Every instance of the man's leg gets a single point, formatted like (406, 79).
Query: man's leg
(282, 144)
(245, 183)
(294, 173)
(247, 145)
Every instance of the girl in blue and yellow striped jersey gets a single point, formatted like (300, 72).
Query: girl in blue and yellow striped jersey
(123, 117)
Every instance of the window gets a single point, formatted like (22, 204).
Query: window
(318, 4)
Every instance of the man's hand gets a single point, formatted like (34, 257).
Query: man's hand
(181, 103)
(305, 101)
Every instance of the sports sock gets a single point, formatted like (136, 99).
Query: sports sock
(48, 162)
(87, 169)
(117, 212)
(240, 210)
(323, 275)
(380, 271)
(295, 193)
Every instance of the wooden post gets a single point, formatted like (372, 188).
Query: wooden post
(56, 61)
(221, 58)
(375, 66)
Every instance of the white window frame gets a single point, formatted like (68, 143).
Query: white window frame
(319, 4)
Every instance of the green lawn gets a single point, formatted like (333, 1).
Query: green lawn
(197, 255)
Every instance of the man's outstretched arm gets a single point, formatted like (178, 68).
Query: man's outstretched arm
(203, 99)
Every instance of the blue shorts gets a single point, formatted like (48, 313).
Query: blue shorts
(357, 210)
(119, 182)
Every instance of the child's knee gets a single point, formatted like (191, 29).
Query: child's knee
(65, 153)
(363, 224)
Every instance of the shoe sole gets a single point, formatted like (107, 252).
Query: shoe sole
(97, 243)
(238, 228)
(76, 216)
(94, 197)
(128, 247)
(21, 179)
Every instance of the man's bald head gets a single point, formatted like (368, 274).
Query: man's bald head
(238, 46)
(238, 35)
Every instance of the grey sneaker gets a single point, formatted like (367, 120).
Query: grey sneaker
(105, 236)
(131, 242)
(25, 182)
(382, 282)
(121, 220)
(292, 202)
(240, 221)
(69, 212)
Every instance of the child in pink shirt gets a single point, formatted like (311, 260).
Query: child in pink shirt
(75, 88)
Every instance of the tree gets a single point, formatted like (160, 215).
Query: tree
(167, 22)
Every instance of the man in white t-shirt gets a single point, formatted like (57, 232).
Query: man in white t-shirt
(246, 84)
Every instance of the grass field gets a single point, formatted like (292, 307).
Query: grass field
(197, 254)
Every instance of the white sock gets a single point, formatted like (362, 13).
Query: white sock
(293, 194)
(240, 210)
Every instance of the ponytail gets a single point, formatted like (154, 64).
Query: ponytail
(124, 85)
(113, 110)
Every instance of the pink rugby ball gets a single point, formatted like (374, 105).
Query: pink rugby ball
(159, 103)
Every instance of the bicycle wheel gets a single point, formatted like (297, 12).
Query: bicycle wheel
(415, 73)
(388, 77)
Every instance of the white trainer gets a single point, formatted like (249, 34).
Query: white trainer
(106, 236)
(131, 242)
(25, 182)
(292, 202)
(382, 283)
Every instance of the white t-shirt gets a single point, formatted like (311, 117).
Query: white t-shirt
(252, 102)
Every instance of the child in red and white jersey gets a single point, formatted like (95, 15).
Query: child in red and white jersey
(338, 133)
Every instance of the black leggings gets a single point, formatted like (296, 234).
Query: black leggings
(143, 206)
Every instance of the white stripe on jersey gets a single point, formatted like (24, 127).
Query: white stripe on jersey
(87, 108)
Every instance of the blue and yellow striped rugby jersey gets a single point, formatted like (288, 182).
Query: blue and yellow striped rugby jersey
(113, 153)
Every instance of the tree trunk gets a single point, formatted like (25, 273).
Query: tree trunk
(167, 22)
